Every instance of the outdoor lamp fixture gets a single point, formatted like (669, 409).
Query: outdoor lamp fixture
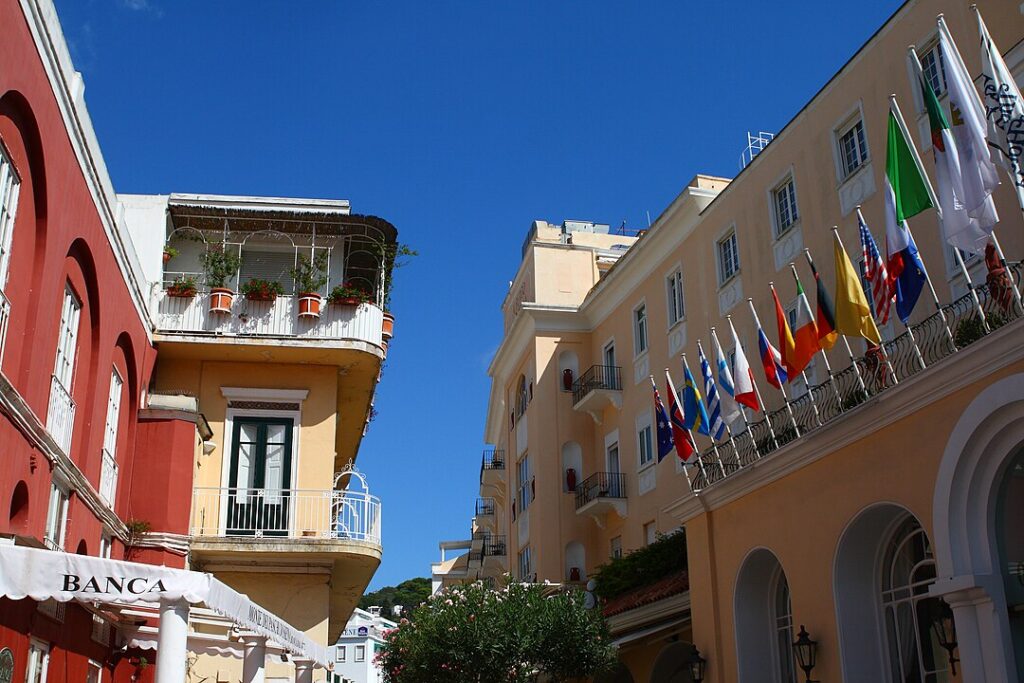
(1020, 572)
(697, 664)
(806, 651)
(945, 631)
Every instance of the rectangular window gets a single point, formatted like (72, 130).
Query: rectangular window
(67, 341)
(108, 471)
(105, 546)
(649, 533)
(728, 258)
(9, 186)
(525, 565)
(94, 673)
(933, 64)
(786, 214)
(645, 445)
(616, 547)
(360, 654)
(674, 296)
(340, 653)
(56, 517)
(38, 661)
(853, 147)
(639, 329)
(524, 482)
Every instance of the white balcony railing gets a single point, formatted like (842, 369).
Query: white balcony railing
(60, 415)
(277, 318)
(5, 314)
(286, 514)
(108, 478)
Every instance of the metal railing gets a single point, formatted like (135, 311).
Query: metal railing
(600, 485)
(60, 415)
(286, 513)
(495, 546)
(484, 506)
(493, 459)
(947, 331)
(108, 478)
(597, 377)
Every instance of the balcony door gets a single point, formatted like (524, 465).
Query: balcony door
(261, 469)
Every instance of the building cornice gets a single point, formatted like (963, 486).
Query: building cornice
(667, 608)
(990, 354)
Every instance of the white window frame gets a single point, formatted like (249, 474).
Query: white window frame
(36, 669)
(864, 152)
(782, 631)
(524, 482)
(340, 654)
(94, 668)
(645, 423)
(640, 329)
(67, 341)
(57, 514)
(110, 432)
(10, 187)
(728, 266)
(674, 300)
(779, 227)
(525, 563)
(932, 58)
(360, 653)
(615, 547)
(650, 532)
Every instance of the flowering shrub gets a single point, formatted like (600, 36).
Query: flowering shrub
(348, 292)
(262, 290)
(512, 635)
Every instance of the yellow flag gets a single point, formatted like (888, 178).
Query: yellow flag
(853, 314)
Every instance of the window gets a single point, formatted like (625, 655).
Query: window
(56, 517)
(616, 547)
(645, 445)
(525, 564)
(782, 622)
(265, 262)
(108, 472)
(674, 296)
(933, 64)
(728, 258)
(105, 546)
(784, 200)
(649, 533)
(609, 354)
(38, 661)
(94, 673)
(259, 476)
(853, 148)
(360, 654)
(525, 483)
(9, 185)
(68, 340)
(640, 329)
(522, 396)
(339, 654)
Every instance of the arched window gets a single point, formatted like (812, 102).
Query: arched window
(908, 568)
(764, 621)
(782, 620)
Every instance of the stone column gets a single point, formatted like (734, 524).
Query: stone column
(304, 671)
(255, 658)
(172, 642)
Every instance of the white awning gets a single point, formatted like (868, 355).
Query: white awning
(44, 574)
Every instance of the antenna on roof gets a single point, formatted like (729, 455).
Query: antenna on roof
(755, 143)
(648, 218)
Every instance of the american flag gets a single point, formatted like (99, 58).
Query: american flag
(882, 290)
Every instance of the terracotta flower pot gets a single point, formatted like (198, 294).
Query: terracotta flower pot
(220, 300)
(167, 257)
(309, 305)
(387, 329)
(182, 292)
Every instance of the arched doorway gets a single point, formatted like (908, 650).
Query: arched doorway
(1010, 539)
(672, 664)
(764, 620)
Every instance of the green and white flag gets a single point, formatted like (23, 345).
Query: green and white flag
(1004, 108)
(906, 188)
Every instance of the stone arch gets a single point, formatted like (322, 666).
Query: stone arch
(19, 509)
(575, 557)
(572, 459)
(83, 548)
(756, 650)
(568, 360)
(672, 664)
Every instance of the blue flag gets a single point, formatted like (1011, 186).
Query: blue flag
(716, 423)
(694, 413)
(910, 279)
(665, 444)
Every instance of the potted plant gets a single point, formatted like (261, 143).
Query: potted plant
(169, 253)
(348, 294)
(310, 275)
(261, 290)
(219, 265)
(184, 286)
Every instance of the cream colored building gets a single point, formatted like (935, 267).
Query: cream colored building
(278, 511)
(855, 529)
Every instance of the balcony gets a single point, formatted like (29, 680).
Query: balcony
(601, 493)
(492, 469)
(597, 389)
(495, 546)
(484, 507)
(108, 478)
(60, 415)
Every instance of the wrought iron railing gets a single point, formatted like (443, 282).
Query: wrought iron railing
(597, 377)
(495, 546)
(950, 329)
(493, 459)
(286, 513)
(60, 415)
(484, 506)
(600, 485)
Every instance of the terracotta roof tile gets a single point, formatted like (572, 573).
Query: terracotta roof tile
(668, 586)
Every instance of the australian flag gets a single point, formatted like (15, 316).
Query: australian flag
(664, 428)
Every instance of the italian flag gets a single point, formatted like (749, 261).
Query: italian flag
(800, 345)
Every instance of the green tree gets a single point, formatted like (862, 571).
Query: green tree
(408, 594)
(474, 634)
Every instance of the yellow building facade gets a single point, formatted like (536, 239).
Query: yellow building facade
(863, 515)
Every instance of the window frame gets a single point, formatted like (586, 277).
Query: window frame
(644, 463)
(523, 482)
(933, 48)
(37, 645)
(340, 653)
(675, 301)
(67, 339)
(359, 653)
(8, 209)
(849, 124)
(778, 228)
(729, 236)
(641, 329)
(615, 547)
(57, 505)
(650, 532)
(525, 561)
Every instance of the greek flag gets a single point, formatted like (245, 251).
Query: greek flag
(715, 423)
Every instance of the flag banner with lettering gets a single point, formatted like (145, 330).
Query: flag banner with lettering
(1004, 109)
(45, 575)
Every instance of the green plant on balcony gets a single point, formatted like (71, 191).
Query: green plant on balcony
(310, 274)
(135, 531)
(184, 286)
(220, 265)
(393, 255)
(642, 567)
(262, 290)
(349, 294)
(970, 330)
(169, 253)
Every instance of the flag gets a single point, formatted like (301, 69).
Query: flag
(909, 277)
(681, 436)
(744, 376)
(853, 315)
(694, 414)
(825, 317)
(663, 426)
(771, 359)
(804, 333)
(716, 425)
(875, 273)
(787, 346)
(1004, 107)
(979, 174)
(958, 227)
(727, 395)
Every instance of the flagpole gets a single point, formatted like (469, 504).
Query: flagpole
(824, 356)
(714, 446)
(895, 108)
(846, 342)
(746, 423)
(728, 429)
(693, 442)
(686, 471)
(881, 342)
(803, 374)
(782, 387)
(757, 391)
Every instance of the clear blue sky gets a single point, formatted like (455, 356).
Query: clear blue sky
(460, 122)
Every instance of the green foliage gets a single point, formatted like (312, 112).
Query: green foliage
(170, 251)
(642, 567)
(220, 265)
(183, 285)
(394, 256)
(262, 290)
(470, 634)
(311, 274)
(348, 291)
(408, 594)
(854, 399)
(972, 329)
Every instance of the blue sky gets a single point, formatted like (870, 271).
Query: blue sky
(460, 122)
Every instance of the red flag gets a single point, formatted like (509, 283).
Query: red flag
(685, 447)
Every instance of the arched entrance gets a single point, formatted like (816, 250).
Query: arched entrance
(764, 620)
(672, 664)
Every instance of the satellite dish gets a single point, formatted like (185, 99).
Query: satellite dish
(589, 601)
